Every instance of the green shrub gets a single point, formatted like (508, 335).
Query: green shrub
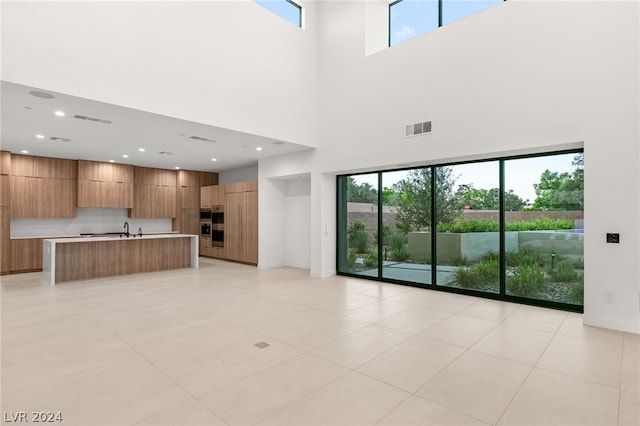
(372, 259)
(397, 241)
(564, 272)
(400, 255)
(576, 292)
(386, 231)
(527, 280)
(360, 242)
(355, 227)
(488, 271)
(474, 225)
(461, 260)
(465, 278)
(352, 256)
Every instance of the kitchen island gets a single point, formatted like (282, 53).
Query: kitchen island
(70, 259)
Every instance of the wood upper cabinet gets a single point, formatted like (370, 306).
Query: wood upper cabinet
(105, 185)
(208, 179)
(241, 226)
(154, 193)
(5, 163)
(212, 196)
(42, 187)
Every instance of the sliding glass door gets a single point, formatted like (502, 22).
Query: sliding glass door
(507, 228)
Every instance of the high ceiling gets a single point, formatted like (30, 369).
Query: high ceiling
(92, 130)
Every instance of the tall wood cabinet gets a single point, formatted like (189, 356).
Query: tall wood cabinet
(241, 222)
(42, 187)
(105, 185)
(5, 232)
(187, 219)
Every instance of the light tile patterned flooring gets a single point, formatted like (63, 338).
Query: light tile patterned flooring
(177, 348)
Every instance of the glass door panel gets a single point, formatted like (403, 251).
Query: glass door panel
(547, 261)
(468, 227)
(361, 225)
(406, 210)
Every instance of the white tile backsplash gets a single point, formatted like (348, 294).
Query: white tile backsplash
(87, 221)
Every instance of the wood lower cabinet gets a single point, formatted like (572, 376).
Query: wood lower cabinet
(241, 227)
(26, 255)
(5, 242)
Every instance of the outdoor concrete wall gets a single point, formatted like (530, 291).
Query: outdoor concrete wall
(452, 247)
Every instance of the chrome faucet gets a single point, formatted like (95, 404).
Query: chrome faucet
(126, 227)
(140, 232)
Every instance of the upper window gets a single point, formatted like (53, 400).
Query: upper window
(285, 9)
(410, 18)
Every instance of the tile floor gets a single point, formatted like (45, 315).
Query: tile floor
(178, 348)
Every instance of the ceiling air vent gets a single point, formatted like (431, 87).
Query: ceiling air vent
(165, 153)
(97, 120)
(57, 138)
(417, 129)
(200, 138)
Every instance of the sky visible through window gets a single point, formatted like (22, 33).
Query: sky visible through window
(410, 18)
(284, 9)
(521, 174)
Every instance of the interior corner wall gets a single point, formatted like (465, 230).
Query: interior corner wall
(231, 64)
(521, 77)
(298, 222)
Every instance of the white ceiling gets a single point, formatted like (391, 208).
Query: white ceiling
(24, 116)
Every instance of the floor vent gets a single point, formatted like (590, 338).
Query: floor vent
(417, 129)
(97, 120)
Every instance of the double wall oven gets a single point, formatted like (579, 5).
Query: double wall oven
(212, 226)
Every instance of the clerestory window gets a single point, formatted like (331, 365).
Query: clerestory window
(410, 18)
(286, 9)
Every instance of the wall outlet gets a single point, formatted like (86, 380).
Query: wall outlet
(609, 296)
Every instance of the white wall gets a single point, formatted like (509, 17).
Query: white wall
(522, 77)
(298, 222)
(87, 221)
(238, 175)
(231, 64)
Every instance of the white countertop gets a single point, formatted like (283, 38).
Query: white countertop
(51, 237)
(132, 237)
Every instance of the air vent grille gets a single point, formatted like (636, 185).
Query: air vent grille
(165, 153)
(94, 119)
(200, 138)
(57, 138)
(417, 129)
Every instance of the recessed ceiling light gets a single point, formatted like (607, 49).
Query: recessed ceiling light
(214, 159)
(141, 149)
(40, 136)
(112, 161)
(259, 148)
(24, 151)
(177, 168)
(60, 113)
(125, 156)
